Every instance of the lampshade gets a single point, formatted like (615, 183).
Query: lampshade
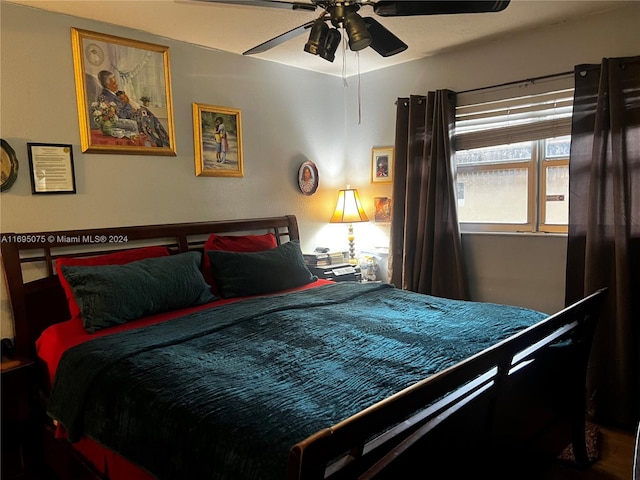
(348, 208)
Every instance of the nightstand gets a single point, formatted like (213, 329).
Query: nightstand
(17, 419)
(341, 272)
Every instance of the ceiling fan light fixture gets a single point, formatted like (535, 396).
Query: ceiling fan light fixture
(362, 33)
(317, 37)
(328, 52)
(383, 41)
(357, 31)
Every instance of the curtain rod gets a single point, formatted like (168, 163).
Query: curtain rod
(534, 79)
(507, 84)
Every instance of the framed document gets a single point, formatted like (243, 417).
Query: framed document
(51, 168)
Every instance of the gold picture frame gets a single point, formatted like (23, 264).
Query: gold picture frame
(217, 136)
(123, 90)
(382, 209)
(382, 165)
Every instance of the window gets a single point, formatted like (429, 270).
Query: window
(512, 160)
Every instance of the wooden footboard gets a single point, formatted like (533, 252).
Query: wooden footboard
(516, 403)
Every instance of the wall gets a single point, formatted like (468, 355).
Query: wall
(498, 270)
(281, 111)
(289, 116)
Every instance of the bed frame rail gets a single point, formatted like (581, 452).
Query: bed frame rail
(505, 403)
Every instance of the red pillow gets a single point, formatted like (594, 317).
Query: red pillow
(115, 258)
(234, 243)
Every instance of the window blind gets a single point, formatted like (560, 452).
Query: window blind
(500, 118)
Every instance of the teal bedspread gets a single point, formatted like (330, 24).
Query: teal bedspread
(224, 393)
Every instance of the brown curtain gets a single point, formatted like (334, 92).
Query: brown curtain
(604, 229)
(426, 250)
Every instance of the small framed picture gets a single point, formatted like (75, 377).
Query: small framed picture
(51, 168)
(308, 178)
(382, 207)
(382, 165)
(217, 136)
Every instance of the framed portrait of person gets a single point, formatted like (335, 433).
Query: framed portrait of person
(217, 137)
(382, 165)
(123, 91)
(308, 179)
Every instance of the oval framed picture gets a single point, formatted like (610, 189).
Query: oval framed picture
(308, 178)
(9, 166)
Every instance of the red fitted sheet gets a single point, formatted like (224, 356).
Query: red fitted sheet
(57, 338)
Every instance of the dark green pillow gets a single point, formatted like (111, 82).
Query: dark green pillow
(114, 294)
(240, 274)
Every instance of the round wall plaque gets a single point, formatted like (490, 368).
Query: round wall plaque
(9, 165)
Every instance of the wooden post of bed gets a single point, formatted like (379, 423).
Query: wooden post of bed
(16, 290)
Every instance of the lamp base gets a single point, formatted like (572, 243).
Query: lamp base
(352, 246)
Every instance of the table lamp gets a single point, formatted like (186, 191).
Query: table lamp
(349, 210)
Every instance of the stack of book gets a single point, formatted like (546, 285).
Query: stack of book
(320, 259)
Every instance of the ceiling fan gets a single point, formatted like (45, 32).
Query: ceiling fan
(362, 32)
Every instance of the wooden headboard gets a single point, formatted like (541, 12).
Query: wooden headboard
(41, 302)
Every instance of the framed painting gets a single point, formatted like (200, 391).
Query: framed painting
(123, 90)
(382, 165)
(382, 207)
(217, 136)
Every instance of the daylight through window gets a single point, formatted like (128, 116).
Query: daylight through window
(512, 158)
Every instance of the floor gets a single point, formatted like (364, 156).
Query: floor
(615, 463)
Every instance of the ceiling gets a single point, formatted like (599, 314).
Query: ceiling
(237, 28)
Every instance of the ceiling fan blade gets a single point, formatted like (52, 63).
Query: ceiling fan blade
(382, 40)
(407, 8)
(267, 3)
(275, 41)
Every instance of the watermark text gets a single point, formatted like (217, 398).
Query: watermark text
(69, 239)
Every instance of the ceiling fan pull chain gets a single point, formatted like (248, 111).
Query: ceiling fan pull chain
(345, 83)
(359, 91)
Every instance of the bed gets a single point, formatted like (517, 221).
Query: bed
(208, 350)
